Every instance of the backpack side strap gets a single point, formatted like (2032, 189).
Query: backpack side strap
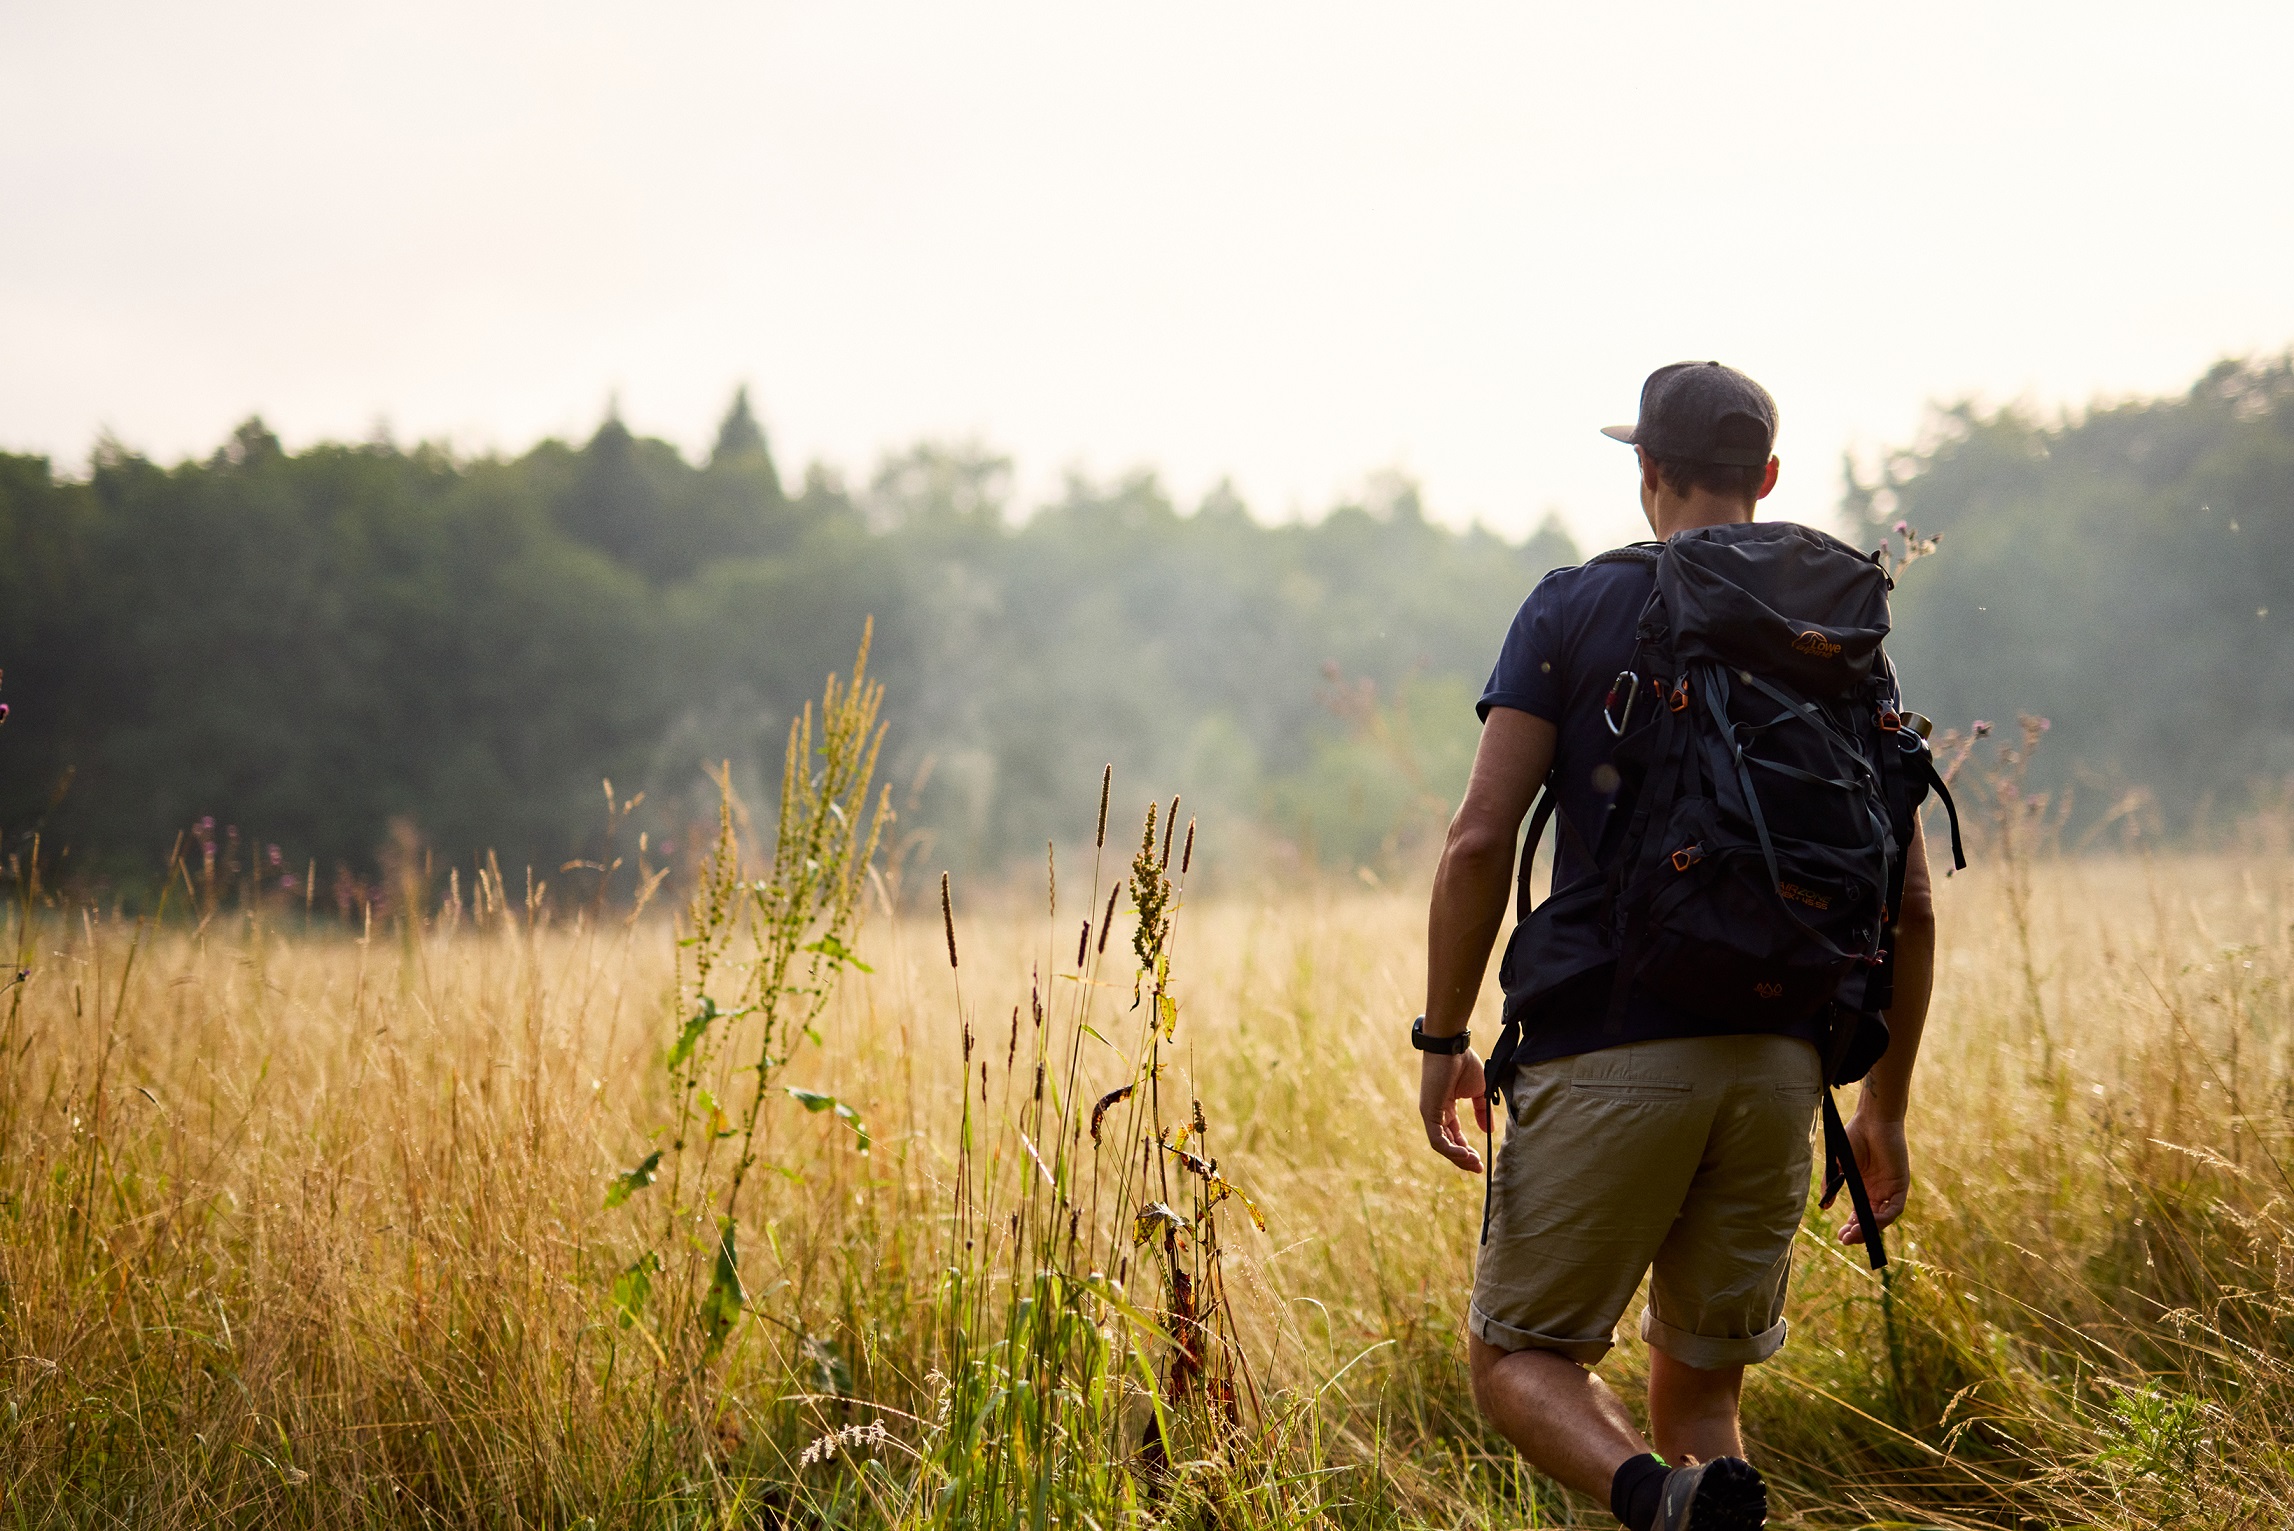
(1927, 765)
(1839, 1166)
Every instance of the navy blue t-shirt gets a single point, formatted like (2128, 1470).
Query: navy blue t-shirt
(1566, 647)
(1567, 644)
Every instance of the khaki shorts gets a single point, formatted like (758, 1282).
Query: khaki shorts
(1689, 1155)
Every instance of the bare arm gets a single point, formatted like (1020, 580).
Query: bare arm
(1471, 889)
(1877, 1130)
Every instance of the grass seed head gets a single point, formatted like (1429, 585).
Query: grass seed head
(1150, 894)
(948, 918)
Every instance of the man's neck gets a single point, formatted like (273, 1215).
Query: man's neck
(1703, 508)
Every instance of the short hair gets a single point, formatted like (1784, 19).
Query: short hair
(1725, 479)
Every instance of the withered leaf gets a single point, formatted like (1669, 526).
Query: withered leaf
(1107, 1103)
(1156, 1215)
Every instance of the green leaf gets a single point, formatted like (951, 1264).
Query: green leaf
(838, 953)
(814, 1101)
(696, 1028)
(636, 1179)
(721, 1307)
(634, 1286)
(691, 1035)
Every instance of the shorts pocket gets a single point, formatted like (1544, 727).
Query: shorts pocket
(1634, 1089)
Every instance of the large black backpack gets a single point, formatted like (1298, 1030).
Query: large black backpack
(1753, 851)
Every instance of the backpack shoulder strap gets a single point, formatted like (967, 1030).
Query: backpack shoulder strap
(1547, 801)
(1537, 820)
(1631, 552)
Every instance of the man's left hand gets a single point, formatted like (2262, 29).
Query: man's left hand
(1885, 1162)
(1444, 1080)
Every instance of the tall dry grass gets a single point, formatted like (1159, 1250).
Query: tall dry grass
(298, 1228)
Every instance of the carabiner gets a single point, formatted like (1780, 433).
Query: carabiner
(1629, 681)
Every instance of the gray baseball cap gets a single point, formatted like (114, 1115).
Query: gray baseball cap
(1701, 411)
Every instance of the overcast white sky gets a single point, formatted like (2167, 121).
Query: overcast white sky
(1287, 243)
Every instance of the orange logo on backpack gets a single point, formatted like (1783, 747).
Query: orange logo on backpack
(1815, 643)
(1769, 990)
(1800, 895)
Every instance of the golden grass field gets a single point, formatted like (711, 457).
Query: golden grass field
(310, 1229)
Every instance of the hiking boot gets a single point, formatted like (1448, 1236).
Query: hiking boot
(1725, 1494)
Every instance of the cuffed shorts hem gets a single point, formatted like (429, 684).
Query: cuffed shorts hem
(1503, 1336)
(1706, 1352)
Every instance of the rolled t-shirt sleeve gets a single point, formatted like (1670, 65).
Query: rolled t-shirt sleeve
(1527, 676)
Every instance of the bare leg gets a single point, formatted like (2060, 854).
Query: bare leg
(1564, 1420)
(1692, 1412)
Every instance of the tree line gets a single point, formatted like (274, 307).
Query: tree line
(2126, 572)
(302, 658)
(328, 650)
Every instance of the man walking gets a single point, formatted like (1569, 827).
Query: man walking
(1644, 1135)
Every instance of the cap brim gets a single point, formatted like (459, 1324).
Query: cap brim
(1622, 433)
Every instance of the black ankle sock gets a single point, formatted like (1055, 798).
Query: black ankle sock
(1637, 1490)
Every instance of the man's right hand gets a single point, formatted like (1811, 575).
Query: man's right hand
(1443, 1080)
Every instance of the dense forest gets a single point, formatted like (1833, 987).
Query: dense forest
(334, 650)
(2126, 572)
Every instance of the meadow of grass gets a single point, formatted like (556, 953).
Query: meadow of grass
(307, 1226)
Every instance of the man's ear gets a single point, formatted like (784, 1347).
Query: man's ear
(1651, 480)
(1767, 480)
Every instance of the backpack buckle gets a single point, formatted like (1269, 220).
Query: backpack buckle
(1890, 720)
(1627, 682)
(1680, 697)
(1687, 856)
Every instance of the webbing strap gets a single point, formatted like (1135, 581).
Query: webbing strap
(1546, 800)
(1807, 713)
(1810, 777)
(1840, 1164)
(1719, 705)
(1951, 809)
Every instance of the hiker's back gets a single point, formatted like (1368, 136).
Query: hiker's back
(1733, 787)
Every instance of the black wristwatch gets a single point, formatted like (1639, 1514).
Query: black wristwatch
(1425, 1044)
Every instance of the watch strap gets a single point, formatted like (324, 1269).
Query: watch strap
(1448, 1045)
